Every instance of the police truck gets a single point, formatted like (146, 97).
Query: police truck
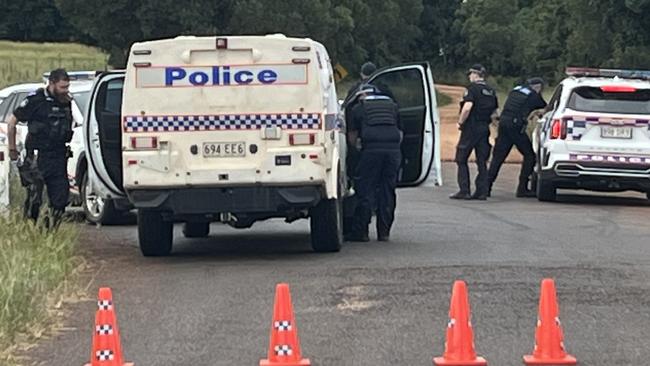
(238, 129)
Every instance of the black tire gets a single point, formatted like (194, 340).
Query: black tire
(154, 234)
(97, 210)
(546, 191)
(326, 221)
(196, 229)
(647, 194)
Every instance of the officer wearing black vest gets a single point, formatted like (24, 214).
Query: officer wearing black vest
(48, 114)
(375, 120)
(521, 101)
(478, 106)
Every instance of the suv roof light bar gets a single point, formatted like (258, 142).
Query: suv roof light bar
(607, 73)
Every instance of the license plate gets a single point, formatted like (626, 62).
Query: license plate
(609, 132)
(224, 149)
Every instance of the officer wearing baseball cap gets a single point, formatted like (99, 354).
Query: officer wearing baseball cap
(521, 101)
(366, 70)
(478, 106)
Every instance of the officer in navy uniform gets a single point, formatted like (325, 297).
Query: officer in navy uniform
(478, 107)
(521, 101)
(48, 114)
(367, 69)
(375, 120)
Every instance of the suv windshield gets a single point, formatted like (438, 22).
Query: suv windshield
(593, 99)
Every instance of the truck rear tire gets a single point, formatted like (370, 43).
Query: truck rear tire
(154, 234)
(326, 221)
(196, 229)
(546, 191)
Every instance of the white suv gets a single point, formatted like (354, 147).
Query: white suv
(596, 135)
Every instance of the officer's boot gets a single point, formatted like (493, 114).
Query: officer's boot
(523, 191)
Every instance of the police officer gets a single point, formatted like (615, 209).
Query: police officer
(521, 101)
(375, 120)
(367, 69)
(478, 106)
(49, 121)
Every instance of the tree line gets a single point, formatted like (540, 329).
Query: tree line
(510, 37)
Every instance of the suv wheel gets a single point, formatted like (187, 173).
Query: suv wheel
(546, 191)
(196, 229)
(154, 234)
(96, 209)
(326, 221)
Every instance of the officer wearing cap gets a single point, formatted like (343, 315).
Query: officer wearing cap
(48, 114)
(367, 69)
(375, 121)
(521, 101)
(478, 106)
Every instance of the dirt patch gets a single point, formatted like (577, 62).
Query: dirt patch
(449, 130)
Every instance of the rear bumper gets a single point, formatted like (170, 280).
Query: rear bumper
(274, 201)
(599, 177)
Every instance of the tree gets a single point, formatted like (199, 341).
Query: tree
(33, 20)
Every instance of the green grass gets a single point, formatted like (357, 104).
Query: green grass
(34, 263)
(22, 62)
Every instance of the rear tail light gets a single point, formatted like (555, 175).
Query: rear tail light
(302, 139)
(144, 143)
(558, 129)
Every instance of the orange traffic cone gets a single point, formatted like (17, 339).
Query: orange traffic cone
(459, 348)
(107, 350)
(284, 348)
(549, 338)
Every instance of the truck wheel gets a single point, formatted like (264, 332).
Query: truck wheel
(97, 210)
(546, 191)
(196, 229)
(326, 221)
(154, 234)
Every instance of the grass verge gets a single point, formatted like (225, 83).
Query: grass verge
(22, 62)
(34, 263)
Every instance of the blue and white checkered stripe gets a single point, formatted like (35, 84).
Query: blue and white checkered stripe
(577, 125)
(575, 129)
(287, 121)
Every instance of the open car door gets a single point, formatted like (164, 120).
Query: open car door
(413, 90)
(103, 135)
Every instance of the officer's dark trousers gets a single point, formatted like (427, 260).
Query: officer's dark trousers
(477, 141)
(53, 175)
(377, 172)
(509, 136)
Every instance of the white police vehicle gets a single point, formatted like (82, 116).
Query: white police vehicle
(596, 135)
(238, 129)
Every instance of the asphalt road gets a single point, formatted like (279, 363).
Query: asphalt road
(379, 304)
